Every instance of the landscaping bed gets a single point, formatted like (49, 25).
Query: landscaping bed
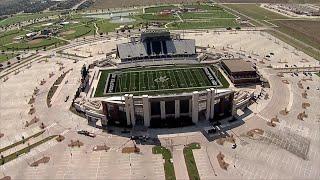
(25, 150)
(190, 162)
(168, 165)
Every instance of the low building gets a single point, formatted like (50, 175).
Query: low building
(240, 72)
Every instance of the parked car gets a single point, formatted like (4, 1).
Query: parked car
(67, 98)
(86, 133)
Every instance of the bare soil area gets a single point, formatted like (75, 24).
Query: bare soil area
(35, 41)
(68, 32)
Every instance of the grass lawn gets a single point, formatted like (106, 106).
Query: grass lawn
(157, 17)
(203, 7)
(190, 162)
(106, 26)
(102, 82)
(77, 31)
(5, 57)
(222, 79)
(207, 15)
(25, 17)
(159, 8)
(214, 23)
(37, 45)
(318, 74)
(168, 166)
(297, 45)
(8, 37)
(256, 12)
(305, 31)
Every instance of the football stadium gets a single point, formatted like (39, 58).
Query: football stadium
(158, 81)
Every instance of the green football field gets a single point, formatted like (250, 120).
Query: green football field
(161, 79)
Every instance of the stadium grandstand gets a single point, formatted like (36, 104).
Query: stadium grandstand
(156, 44)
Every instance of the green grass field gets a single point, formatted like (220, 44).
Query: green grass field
(105, 26)
(5, 57)
(157, 17)
(205, 7)
(77, 31)
(8, 37)
(214, 23)
(161, 81)
(256, 12)
(159, 8)
(207, 15)
(41, 44)
(25, 17)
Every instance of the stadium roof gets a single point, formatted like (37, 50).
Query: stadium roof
(238, 65)
(139, 49)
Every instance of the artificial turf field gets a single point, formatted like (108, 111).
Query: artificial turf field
(161, 80)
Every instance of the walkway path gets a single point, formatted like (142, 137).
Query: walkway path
(97, 29)
(180, 167)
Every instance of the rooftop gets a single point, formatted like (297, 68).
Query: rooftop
(238, 65)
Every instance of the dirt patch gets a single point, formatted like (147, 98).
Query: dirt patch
(285, 81)
(271, 123)
(130, 150)
(284, 112)
(254, 132)
(43, 160)
(75, 143)
(305, 105)
(32, 121)
(67, 32)
(32, 99)
(221, 161)
(304, 94)
(275, 119)
(302, 115)
(60, 138)
(300, 85)
(1, 135)
(6, 178)
(229, 139)
(101, 148)
(35, 41)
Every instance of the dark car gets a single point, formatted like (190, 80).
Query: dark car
(67, 98)
(86, 133)
(134, 137)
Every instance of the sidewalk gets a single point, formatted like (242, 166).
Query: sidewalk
(179, 164)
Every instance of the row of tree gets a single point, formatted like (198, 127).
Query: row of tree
(27, 6)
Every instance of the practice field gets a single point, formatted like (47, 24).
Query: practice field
(159, 81)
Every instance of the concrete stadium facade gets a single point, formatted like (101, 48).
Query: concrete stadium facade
(166, 110)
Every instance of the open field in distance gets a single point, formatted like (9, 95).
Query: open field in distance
(269, 1)
(306, 31)
(104, 4)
